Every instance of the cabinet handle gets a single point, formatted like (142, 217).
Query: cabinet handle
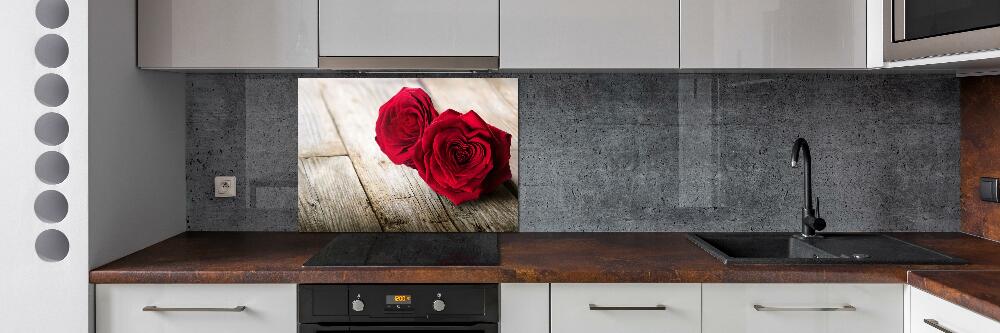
(848, 307)
(159, 309)
(935, 324)
(595, 307)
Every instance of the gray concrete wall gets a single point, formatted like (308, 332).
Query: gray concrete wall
(640, 152)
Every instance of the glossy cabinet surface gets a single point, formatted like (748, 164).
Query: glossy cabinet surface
(773, 34)
(524, 308)
(927, 310)
(227, 33)
(405, 28)
(589, 34)
(626, 307)
(270, 308)
(802, 308)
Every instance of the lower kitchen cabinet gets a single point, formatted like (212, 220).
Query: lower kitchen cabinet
(625, 307)
(930, 314)
(524, 308)
(802, 308)
(195, 308)
(569, 307)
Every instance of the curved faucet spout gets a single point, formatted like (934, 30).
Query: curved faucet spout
(810, 222)
(807, 188)
(800, 144)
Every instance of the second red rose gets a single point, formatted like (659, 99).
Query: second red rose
(461, 157)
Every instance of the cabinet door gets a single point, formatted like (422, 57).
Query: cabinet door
(625, 307)
(930, 314)
(773, 34)
(524, 308)
(269, 308)
(802, 308)
(227, 33)
(407, 28)
(589, 34)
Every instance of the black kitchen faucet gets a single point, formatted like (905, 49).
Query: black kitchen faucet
(810, 221)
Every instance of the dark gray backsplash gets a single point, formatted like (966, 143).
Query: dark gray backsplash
(639, 152)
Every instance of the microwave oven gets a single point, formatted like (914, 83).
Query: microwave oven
(915, 29)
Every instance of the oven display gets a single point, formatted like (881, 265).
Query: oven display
(398, 299)
(398, 303)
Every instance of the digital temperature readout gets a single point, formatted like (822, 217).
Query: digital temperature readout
(398, 299)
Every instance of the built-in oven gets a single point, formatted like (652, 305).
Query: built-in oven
(929, 28)
(387, 308)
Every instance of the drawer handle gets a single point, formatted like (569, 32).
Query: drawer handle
(595, 307)
(159, 309)
(935, 324)
(848, 307)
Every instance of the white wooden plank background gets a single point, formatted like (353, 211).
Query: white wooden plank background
(337, 117)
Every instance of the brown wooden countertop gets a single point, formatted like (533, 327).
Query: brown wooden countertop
(272, 257)
(978, 291)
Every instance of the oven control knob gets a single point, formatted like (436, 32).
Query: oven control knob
(358, 305)
(438, 305)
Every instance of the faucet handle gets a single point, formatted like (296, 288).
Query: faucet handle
(817, 206)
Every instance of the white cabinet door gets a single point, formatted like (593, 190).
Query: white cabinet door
(589, 34)
(625, 308)
(227, 33)
(524, 308)
(930, 314)
(270, 308)
(773, 34)
(802, 308)
(407, 28)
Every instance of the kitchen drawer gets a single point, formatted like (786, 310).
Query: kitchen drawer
(625, 307)
(802, 308)
(269, 308)
(948, 316)
(406, 28)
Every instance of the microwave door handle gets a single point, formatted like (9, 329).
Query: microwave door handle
(898, 17)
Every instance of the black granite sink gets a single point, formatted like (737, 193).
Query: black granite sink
(832, 248)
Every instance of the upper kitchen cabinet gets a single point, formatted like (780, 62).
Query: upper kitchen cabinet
(780, 34)
(218, 34)
(589, 34)
(406, 34)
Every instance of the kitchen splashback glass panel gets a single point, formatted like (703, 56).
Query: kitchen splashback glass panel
(633, 152)
(407, 155)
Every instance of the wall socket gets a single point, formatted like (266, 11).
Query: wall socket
(225, 187)
(988, 189)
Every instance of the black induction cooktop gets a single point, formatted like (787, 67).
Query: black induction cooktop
(409, 249)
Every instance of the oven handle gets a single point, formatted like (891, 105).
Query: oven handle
(485, 328)
(313, 328)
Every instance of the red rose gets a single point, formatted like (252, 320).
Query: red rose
(401, 120)
(461, 157)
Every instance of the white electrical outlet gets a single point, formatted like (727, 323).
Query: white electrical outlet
(225, 187)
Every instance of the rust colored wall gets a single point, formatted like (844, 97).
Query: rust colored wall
(980, 153)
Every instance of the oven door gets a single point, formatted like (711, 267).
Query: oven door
(916, 29)
(474, 328)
